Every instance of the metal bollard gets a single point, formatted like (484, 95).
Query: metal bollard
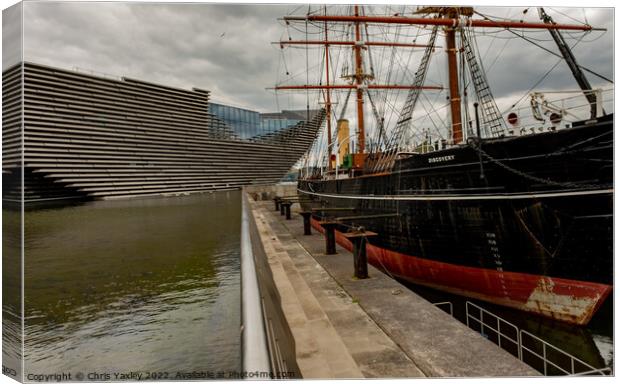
(330, 237)
(360, 261)
(287, 209)
(276, 200)
(307, 227)
(360, 258)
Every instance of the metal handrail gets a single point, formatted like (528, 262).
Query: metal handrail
(449, 304)
(499, 322)
(547, 362)
(521, 347)
(255, 354)
(603, 371)
(269, 346)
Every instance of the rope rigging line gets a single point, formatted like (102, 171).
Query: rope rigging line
(539, 81)
(483, 58)
(558, 55)
(387, 158)
(381, 133)
(493, 123)
(532, 41)
(465, 95)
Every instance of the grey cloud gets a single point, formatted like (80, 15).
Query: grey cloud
(214, 47)
(11, 35)
(226, 48)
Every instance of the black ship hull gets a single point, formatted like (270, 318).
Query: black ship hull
(525, 222)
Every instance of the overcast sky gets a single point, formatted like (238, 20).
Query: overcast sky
(227, 48)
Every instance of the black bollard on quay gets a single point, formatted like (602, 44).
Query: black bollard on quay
(277, 200)
(282, 207)
(330, 236)
(287, 209)
(360, 259)
(307, 227)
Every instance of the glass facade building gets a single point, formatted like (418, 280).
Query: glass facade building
(248, 124)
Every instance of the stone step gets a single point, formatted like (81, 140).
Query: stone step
(320, 351)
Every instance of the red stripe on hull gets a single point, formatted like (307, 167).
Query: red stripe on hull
(568, 300)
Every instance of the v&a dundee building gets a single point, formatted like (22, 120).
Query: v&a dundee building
(93, 137)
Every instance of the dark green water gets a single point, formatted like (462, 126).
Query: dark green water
(147, 285)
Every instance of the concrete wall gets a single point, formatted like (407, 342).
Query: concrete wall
(269, 191)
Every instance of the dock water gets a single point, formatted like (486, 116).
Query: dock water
(364, 328)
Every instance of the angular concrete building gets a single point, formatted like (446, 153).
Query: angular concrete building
(91, 137)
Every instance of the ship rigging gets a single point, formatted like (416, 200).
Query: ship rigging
(363, 31)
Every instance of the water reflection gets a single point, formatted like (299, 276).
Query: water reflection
(11, 294)
(150, 284)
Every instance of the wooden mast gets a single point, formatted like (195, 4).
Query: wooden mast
(359, 77)
(453, 73)
(453, 79)
(328, 102)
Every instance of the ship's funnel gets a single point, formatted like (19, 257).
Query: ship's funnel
(343, 139)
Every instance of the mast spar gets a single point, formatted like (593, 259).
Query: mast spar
(445, 22)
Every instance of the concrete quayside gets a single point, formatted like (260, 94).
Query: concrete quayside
(320, 321)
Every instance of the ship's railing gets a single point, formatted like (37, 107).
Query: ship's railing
(570, 108)
(571, 105)
(532, 350)
(267, 345)
(509, 333)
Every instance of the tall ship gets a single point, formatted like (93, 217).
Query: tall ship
(511, 207)
(69, 135)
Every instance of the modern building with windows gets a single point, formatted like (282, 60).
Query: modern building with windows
(247, 124)
(90, 137)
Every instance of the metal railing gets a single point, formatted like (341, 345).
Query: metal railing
(603, 371)
(549, 355)
(495, 327)
(268, 346)
(544, 356)
(255, 355)
(445, 303)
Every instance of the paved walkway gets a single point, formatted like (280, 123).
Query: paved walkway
(349, 328)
